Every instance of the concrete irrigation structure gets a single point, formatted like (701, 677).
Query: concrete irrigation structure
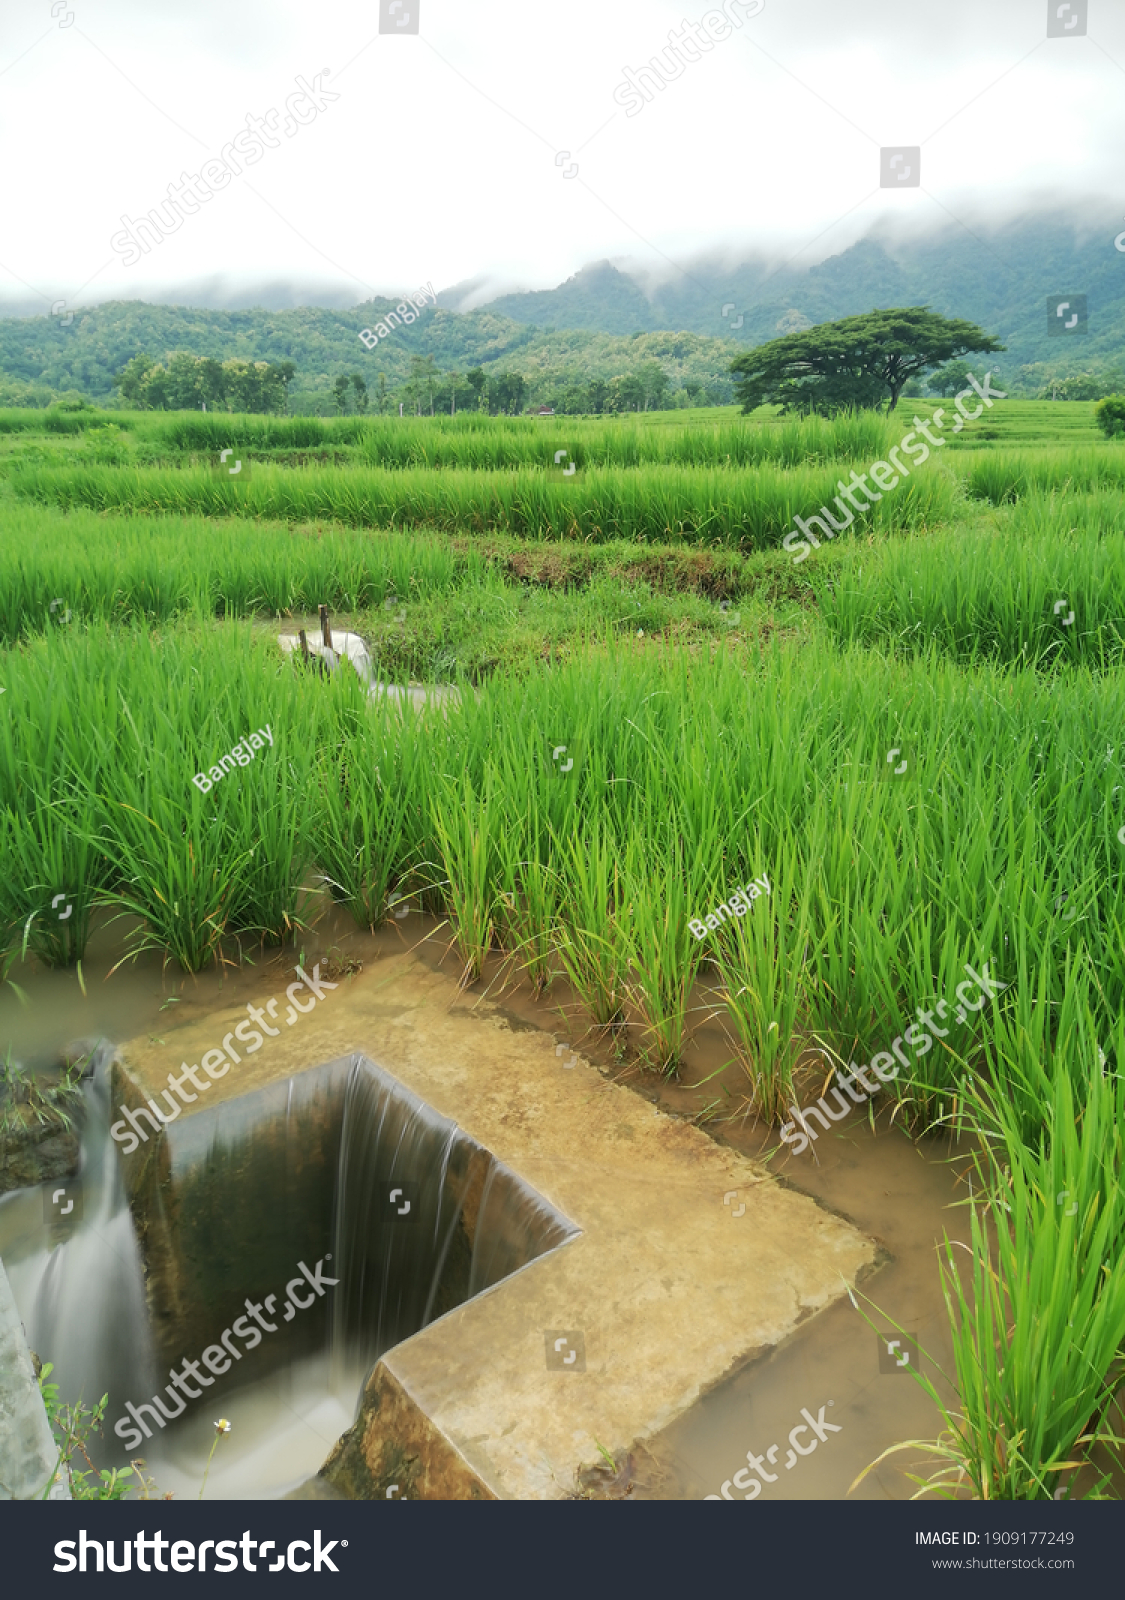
(350, 647)
(671, 1288)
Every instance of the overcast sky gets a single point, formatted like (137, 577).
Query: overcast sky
(442, 159)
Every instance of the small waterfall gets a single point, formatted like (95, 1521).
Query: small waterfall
(390, 1252)
(341, 1165)
(88, 1316)
(471, 1222)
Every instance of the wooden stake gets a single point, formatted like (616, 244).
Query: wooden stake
(304, 644)
(325, 629)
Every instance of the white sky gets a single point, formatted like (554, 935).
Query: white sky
(438, 161)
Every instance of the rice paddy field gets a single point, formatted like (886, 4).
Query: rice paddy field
(916, 734)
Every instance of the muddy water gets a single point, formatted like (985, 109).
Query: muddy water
(900, 1194)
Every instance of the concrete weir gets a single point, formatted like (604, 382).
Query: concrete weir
(688, 1259)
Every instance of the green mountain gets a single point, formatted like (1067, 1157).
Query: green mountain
(600, 324)
(599, 297)
(50, 356)
(1001, 281)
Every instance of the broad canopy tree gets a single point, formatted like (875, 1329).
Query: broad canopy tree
(857, 361)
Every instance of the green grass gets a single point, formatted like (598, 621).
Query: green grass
(745, 509)
(719, 437)
(691, 774)
(1044, 586)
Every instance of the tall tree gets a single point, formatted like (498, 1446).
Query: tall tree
(857, 361)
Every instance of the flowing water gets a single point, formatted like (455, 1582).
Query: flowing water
(71, 1254)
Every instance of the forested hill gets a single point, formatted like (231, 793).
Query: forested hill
(85, 355)
(599, 324)
(1000, 280)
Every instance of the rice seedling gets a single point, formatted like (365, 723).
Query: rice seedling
(662, 889)
(467, 827)
(763, 959)
(591, 943)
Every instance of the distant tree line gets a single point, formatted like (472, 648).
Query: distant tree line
(430, 392)
(190, 383)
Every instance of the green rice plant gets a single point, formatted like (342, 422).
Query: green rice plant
(53, 876)
(662, 895)
(1006, 848)
(497, 443)
(1046, 589)
(747, 508)
(196, 863)
(49, 771)
(362, 822)
(125, 569)
(528, 911)
(591, 942)
(856, 874)
(1001, 476)
(467, 826)
(1038, 1327)
(763, 959)
(529, 887)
